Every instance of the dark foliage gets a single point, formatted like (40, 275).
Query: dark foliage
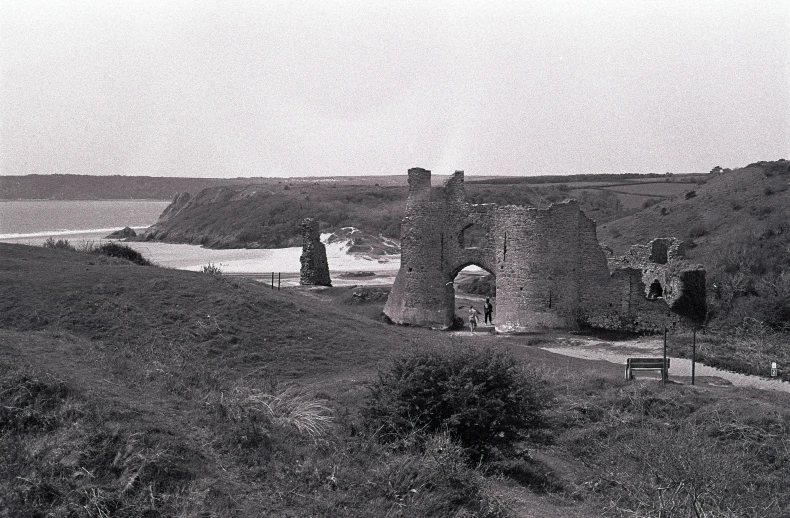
(482, 398)
(122, 252)
(60, 244)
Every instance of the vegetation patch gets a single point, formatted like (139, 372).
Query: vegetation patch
(481, 398)
(122, 252)
(62, 456)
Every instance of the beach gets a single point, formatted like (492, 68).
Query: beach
(247, 262)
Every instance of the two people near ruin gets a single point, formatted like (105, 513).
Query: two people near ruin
(488, 310)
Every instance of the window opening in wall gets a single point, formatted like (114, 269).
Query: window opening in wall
(473, 236)
(656, 291)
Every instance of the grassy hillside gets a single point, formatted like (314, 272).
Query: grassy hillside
(130, 390)
(738, 226)
(268, 217)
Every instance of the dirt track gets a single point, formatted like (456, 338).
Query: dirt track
(618, 352)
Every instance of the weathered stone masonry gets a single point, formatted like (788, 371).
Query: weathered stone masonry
(315, 268)
(550, 270)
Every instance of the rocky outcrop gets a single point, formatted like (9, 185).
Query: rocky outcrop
(315, 268)
(124, 233)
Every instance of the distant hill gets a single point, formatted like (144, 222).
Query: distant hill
(737, 225)
(256, 216)
(86, 187)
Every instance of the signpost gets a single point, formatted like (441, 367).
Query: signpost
(664, 377)
(693, 353)
(774, 370)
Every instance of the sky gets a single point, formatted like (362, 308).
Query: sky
(221, 88)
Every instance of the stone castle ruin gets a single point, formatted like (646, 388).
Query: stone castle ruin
(315, 268)
(551, 272)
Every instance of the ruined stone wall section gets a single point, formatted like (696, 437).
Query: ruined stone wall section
(315, 268)
(537, 274)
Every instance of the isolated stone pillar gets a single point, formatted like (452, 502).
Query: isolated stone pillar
(315, 268)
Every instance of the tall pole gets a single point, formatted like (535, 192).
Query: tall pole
(279, 275)
(664, 370)
(693, 352)
(272, 280)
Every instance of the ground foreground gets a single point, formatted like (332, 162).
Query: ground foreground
(140, 391)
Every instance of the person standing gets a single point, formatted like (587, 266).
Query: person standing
(488, 310)
(472, 319)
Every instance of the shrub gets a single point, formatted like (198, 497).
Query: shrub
(650, 202)
(60, 244)
(211, 269)
(482, 399)
(123, 252)
(697, 231)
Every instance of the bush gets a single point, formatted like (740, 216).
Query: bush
(482, 399)
(123, 252)
(60, 244)
(650, 202)
(697, 231)
(211, 269)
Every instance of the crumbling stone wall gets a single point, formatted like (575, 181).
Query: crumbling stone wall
(315, 268)
(550, 269)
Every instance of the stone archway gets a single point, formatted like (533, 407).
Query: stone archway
(454, 285)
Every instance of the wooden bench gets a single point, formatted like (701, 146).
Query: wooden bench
(646, 364)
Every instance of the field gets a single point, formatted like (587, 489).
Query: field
(132, 390)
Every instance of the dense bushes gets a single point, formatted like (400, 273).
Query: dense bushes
(60, 244)
(481, 398)
(123, 252)
(110, 249)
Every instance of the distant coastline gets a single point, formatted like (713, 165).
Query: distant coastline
(86, 199)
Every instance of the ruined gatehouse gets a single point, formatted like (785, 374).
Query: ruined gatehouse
(551, 272)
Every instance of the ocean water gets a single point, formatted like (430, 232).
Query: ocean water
(35, 218)
(32, 222)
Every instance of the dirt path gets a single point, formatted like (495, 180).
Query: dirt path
(586, 348)
(618, 352)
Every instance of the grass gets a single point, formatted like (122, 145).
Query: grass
(676, 451)
(748, 349)
(155, 392)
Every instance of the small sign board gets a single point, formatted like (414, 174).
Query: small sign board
(774, 370)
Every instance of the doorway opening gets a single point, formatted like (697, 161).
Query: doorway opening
(475, 288)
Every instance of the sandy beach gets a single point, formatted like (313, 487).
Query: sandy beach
(258, 263)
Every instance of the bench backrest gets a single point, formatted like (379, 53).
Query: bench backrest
(648, 363)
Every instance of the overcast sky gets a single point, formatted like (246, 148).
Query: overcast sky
(263, 88)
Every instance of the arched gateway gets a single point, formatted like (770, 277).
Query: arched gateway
(550, 270)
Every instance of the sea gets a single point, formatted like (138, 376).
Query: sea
(33, 219)
(32, 222)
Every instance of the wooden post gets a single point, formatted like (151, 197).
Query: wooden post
(693, 352)
(279, 276)
(272, 280)
(664, 373)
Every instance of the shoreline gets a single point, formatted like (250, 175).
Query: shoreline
(86, 199)
(256, 263)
